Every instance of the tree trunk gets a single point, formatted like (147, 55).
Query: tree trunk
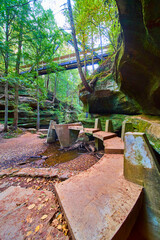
(100, 35)
(84, 55)
(6, 72)
(15, 121)
(48, 82)
(6, 108)
(55, 89)
(92, 54)
(88, 88)
(38, 112)
(38, 108)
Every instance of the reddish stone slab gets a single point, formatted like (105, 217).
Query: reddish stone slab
(21, 211)
(104, 135)
(91, 130)
(7, 172)
(114, 146)
(99, 203)
(37, 172)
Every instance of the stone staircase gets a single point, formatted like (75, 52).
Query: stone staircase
(100, 203)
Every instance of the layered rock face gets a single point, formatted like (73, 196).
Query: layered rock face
(138, 61)
(49, 110)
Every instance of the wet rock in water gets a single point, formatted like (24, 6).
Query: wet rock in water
(40, 162)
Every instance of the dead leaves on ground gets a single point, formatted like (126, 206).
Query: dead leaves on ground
(31, 206)
(60, 223)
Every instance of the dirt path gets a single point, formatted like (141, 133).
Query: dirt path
(18, 149)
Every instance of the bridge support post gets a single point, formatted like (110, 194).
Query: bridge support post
(66, 136)
(51, 136)
(97, 124)
(99, 144)
(142, 167)
(109, 126)
(126, 127)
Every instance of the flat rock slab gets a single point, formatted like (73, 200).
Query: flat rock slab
(99, 203)
(91, 130)
(44, 131)
(114, 146)
(9, 171)
(37, 172)
(25, 214)
(76, 128)
(104, 135)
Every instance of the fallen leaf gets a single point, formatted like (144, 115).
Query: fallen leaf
(55, 222)
(40, 206)
(31, 206)
(59, 227)
(53, 206)
(65, 232)
(29, 180)
(49, 237)
(28, 233)
(29, 219)
(37, 228)
(44, 217)
(59, 216)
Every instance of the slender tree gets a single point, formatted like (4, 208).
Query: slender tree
(88, 88)
(19, 28)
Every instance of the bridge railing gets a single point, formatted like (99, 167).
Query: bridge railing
(69, 58)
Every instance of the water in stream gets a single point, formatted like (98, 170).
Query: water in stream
(56, 156)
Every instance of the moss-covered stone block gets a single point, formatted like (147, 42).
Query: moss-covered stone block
(141, 167)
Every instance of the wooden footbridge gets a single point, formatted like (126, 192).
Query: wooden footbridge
(68, 62)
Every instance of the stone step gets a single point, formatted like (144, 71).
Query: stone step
(104, 135)
(91, 130)
(99, 203)
(114, 146)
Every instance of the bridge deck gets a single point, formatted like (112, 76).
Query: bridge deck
(104, 135)
(114, 146)
(91, 130)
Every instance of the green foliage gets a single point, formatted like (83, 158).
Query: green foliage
(96, 18)
(43, 136)
(12, 134)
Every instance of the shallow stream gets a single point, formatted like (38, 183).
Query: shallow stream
(56, 156)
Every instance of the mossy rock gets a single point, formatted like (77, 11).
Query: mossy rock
(151, 128)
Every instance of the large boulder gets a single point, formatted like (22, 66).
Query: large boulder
(107, 99)
(138, 61)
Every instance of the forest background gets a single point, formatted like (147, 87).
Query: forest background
(30, 35)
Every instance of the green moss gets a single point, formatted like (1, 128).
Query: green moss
(43, 136)
(13, 134)
(142, 125)
(117, 120)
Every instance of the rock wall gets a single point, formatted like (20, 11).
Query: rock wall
(138, 61)
(49, 110)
